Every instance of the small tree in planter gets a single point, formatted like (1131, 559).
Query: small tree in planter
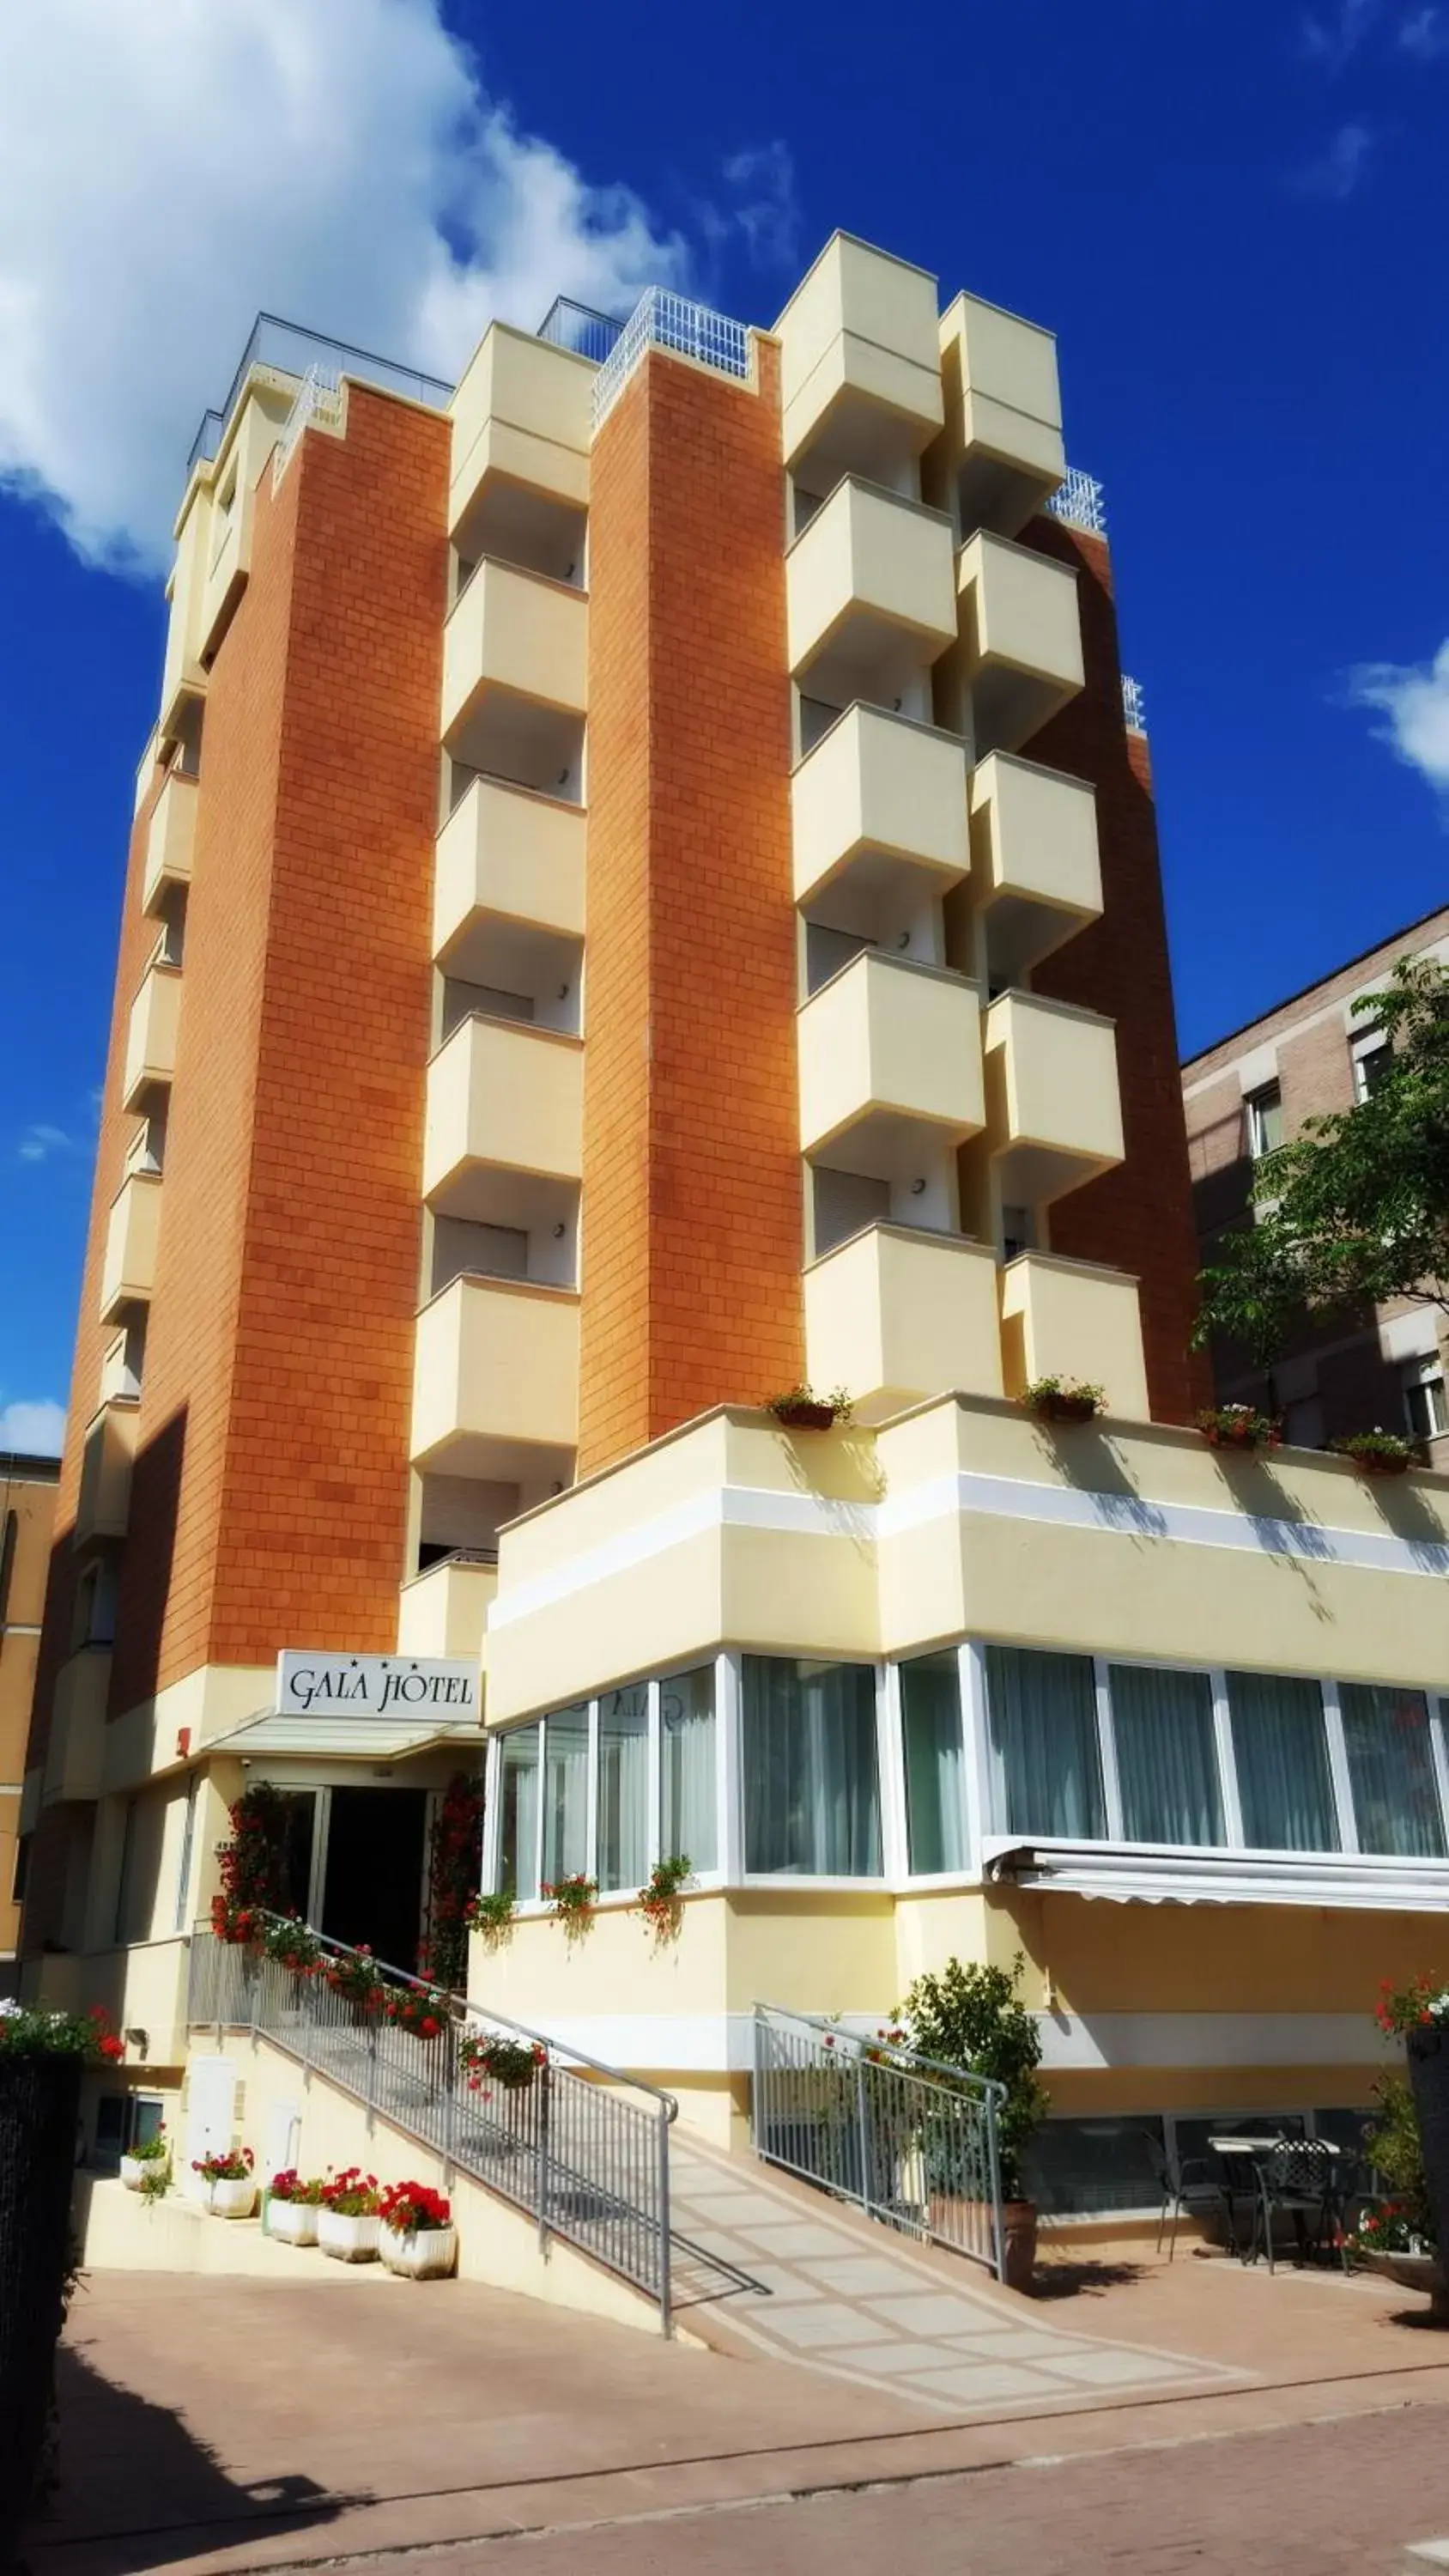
(416, 2234)
(1239, 1426)
(972, 2017)
(801, 1409)
(1063, 1399)
(1377, 1453)
(1419, 2013)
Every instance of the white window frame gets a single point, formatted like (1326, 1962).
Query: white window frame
(1253, 1105)
(1425, 1371)
(1363, 1047)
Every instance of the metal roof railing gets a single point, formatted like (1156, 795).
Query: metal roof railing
(579, 327)
(295, 352)
(1081, 501)
(663, 320)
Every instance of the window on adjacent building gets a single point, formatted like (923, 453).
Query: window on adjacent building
(1042, 1725)
(1263, 1113)
(1426, 1408)
(811, 1790)
(1280, 1746)
(688, 1789)
(623, 1791)
(1391, 1766)
(935, 1761)
(1167, 1762)
(1372, 1058)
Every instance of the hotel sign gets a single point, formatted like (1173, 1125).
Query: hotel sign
(419, 1686)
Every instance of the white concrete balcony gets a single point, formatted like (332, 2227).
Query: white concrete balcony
(74, 1755)
(103, 1504)
(1036, 875)
(521, 415)
(1021, 639)
(868, 595)
(444, 1610)
(515, 675)
(894, 1314)
(496, 1381)
(1002, 449)
(890, 1066)
(253, 433)
(504, 1101)
(879, 812)
(508, 890)
(128, 1266)
(860, 365)
(150, 1061)
(1073, 1319)
(1053, 1108)
(183, 676)
(169, 841)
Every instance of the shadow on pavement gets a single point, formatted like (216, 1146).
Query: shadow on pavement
(1075, 2280)
(135, 2490)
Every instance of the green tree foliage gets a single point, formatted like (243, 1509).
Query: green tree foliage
(1355, 1209)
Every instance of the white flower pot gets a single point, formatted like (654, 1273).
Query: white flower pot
(232, 2199)
(294, 2221)
(349, 2240)
(134, 2169)
(424, 2254)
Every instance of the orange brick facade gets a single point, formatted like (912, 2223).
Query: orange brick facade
(692, 1207)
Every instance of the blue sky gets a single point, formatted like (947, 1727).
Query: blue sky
(1233, 217)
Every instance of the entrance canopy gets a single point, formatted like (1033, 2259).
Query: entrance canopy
(334, 1736)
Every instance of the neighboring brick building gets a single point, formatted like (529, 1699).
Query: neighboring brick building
(27, 1512)
(1253, 1090)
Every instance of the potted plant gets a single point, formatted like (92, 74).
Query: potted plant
(416, 2235)
(486, 2058)
(573, 1900)
(1377, 1453)
(293, 1945)
(354, 1975)
(801, 1409)
(347, 2219)
(147, 2157)
(659, 1901)
(1238, 1426)
(972, 2017)
(423, 2010)
(1419, 2014)
(292, 2207)
(230, 2191)
(1063, 1399)
(492, 1916)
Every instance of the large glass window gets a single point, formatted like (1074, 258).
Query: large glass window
(935, 1763)
(812, 1800)
(1391, 1766)
(1042, 1719)
(623, 1819)
(518, 1813)
(1280, 1746)
(1167, 1768)
(565, 1794)
(688, 1799)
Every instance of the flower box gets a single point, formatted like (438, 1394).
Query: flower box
(1240, 1427)
(135, 2170)
(348, 2240)
(419, 2253)
(806, 1417)
(292, 2222)
(231, 2198)
(1058, 1406)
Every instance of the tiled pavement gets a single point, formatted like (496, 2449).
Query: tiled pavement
(840, 2293)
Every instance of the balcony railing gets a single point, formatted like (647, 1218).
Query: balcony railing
(662, 320)
(293, 352)
(1134, 710)
(578, 327)
(1080, 500)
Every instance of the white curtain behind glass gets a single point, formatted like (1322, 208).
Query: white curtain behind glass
(812, 1805)
(687, 1811)
(1167, 1764)
(518, 1827)
(1280, 1746)
(1042, 1719)
(565, 1794)
(623, 1822)
(935, 1763)
(1395, 1799)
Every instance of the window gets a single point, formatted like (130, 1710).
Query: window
(518, 1812)
(623, 1825)
(565, 1794)
(188, 1836)
(1372, 1058)
(22, 1869)
(1082, 2167)
(1426, 1409)
(812, 1797)
(935, 1764)
(688, 1797)
(1042, 1723)
(1263, 1111)
(1391, 1766)
(1303, 1423)
(1280, 1745)
(1167, 1763)
(121, 1930)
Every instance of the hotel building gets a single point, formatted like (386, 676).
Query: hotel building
(645, 890)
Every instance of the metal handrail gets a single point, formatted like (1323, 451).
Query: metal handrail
(304, 348)
(872, 2044)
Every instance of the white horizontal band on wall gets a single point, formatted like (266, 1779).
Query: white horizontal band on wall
(723, 2043)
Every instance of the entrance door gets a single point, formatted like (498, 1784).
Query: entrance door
(373, 1889)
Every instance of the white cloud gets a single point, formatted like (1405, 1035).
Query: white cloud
(1424, 34)
(1334, 39)
(34, 1429)
(1414, 698)
(40, 1142)
(168, 168)
(1338, 171)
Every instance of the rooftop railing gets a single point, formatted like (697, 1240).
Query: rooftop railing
(294, 352)
(1134, 711)
(663, 320)
(578, 327)
(1080, 500)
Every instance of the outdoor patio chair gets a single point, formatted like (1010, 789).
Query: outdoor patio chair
(1188, 2184)
(1299, 2177)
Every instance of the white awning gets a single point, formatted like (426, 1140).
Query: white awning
(322, 1737)
(1146, 1875)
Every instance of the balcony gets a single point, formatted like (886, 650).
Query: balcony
(1021, 639)
(868, 595)
(249, 443)
(515, 675)
(75, 1751)
(183, 677)
(1036, 877)
(505, 1105)
(890, 1066)
(103, 1504)
(1072, 1319)
(1002, 447)
(1053, 1111)
(521, 412)
(860, 365)
(895, 1315)
(128, 1268)
(151, 1036)
(169, 842)
(879, 811)
(444, 1610)
(496, 1381)
(508, 890)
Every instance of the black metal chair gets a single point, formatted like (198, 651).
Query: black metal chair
(1298, 2178)
(1188, 2184)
